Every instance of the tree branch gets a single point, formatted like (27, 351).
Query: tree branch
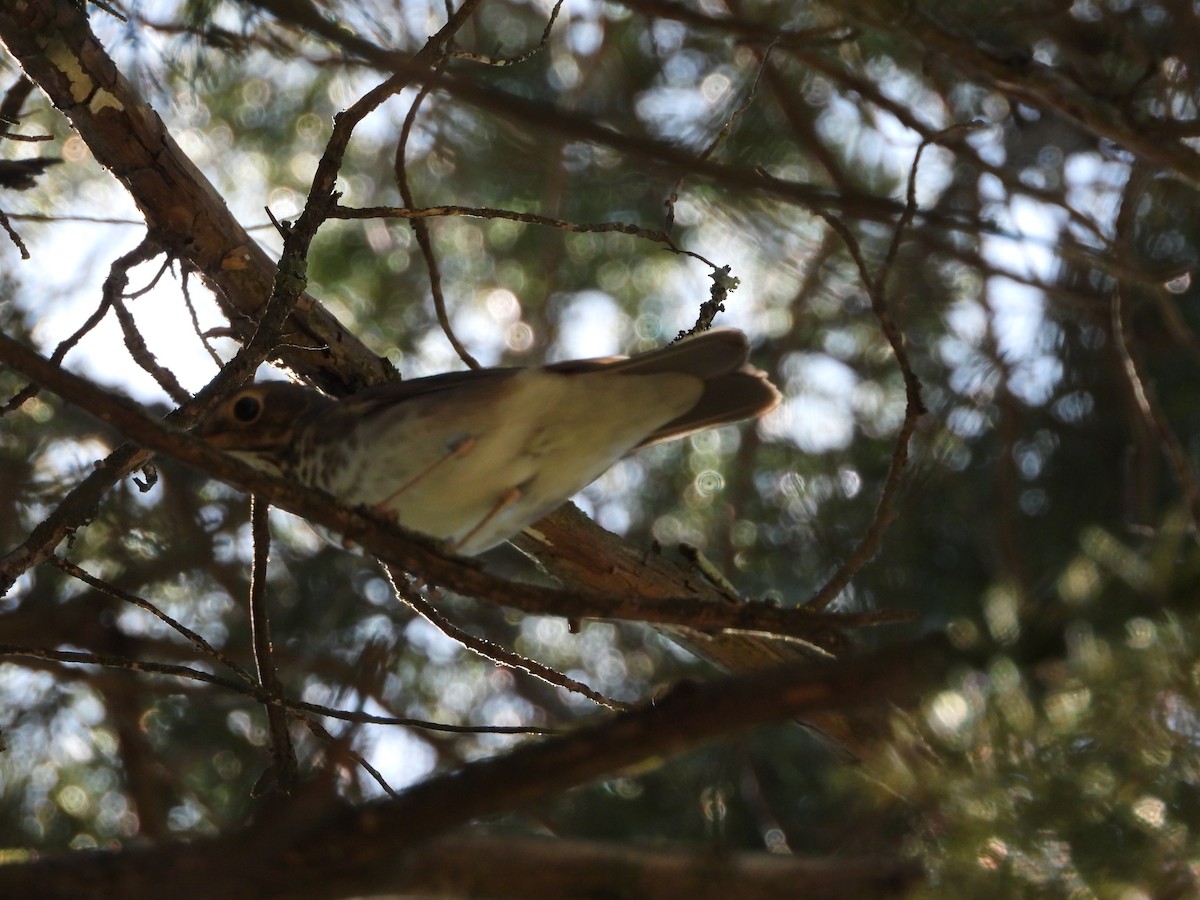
(300, 850)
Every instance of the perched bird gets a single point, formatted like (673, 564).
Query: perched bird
(474, 457)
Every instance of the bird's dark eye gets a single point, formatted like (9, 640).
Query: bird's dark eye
(247, 409)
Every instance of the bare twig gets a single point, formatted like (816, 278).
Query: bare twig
(1155, 420)
(490, 650)
(282, 775)
(872, 538)
(421, 230)
(13, 236)
(254, 691)
(499, 61)
(746, 29)
(185, 289)
(430, 212)
(196, 640)
(723, 133)
(113, 293)
(323, 734)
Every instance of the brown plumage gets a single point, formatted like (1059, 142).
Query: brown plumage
(473, 457)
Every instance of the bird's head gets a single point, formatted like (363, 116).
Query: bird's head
(259, 422)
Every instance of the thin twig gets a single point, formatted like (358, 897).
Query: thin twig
(114, 661)
(490, 650)
(282, 775)
(114, 294)
(429, 212)
(952, 132)
(13, 236)
(511, 60)
(1172, 447)
(323, 734)
(721, 134)
(914, 408)
(421, 230)
(196, 640)
(185, 289)
(208, 649)
(31, 390)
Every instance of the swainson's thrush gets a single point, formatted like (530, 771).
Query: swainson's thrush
(473, 457)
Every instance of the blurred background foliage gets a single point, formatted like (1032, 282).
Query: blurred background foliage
(1042, 523)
